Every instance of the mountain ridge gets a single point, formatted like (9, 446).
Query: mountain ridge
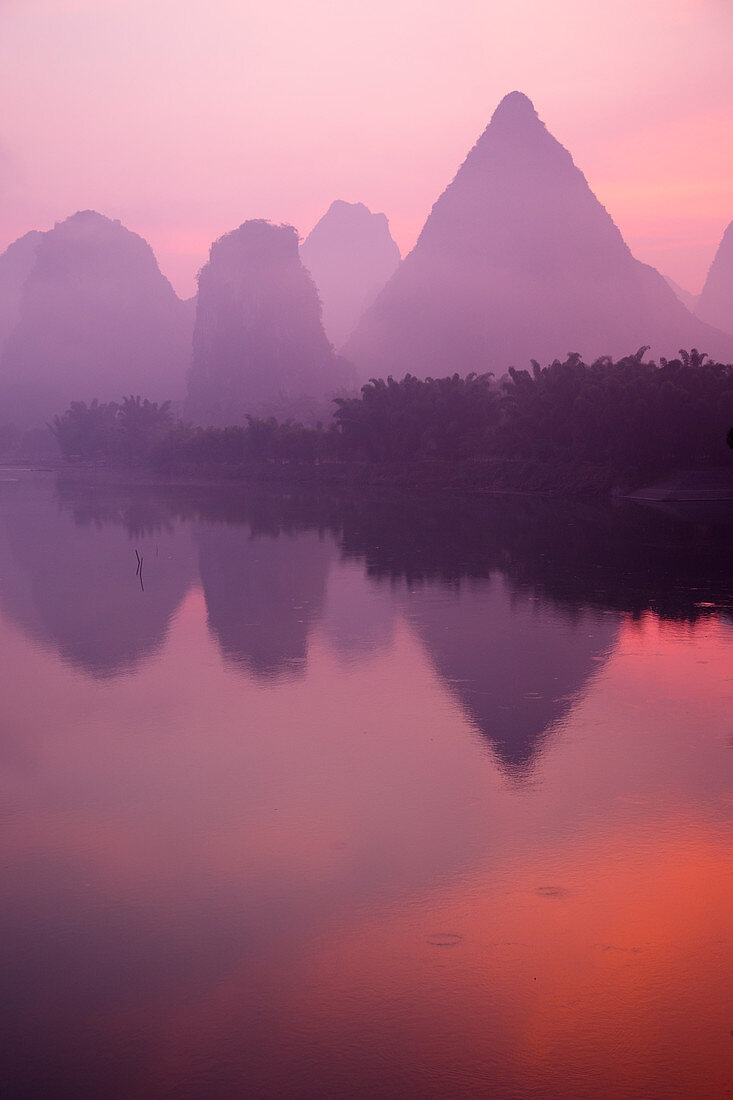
(517, 260)
(258, 346)
(351, 255)
(715, 303)
(97, 319)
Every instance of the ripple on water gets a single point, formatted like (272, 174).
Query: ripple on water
(552, 892)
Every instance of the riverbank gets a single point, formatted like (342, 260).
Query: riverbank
(480, 477)
(582, 481)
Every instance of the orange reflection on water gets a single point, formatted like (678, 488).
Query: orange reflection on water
(609, 979)
(602, 973)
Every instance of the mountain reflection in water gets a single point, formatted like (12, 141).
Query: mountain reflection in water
(393, 797)
(65, 566)
(263, 593)
(515, 666)
(516, 600)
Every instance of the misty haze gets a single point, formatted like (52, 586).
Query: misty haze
(366, 529)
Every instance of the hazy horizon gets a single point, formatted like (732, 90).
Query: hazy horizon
(183, 123)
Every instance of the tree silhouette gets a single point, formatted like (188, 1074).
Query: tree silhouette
(86, 431)
(630, 419)
(142, 424)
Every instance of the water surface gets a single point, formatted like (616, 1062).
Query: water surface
(369, 799)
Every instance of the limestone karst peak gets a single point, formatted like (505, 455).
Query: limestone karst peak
(342, 207)
(518, 260)
(95, 319)
(351, 255)
(258, 346)
(516, 108)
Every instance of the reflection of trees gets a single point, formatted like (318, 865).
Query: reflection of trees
(136, 509)
(623, 558)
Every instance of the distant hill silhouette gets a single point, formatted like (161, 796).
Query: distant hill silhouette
(715, 304)
(258, 345)
(689, 301)
(519, 260)
(16, 264)
(97, 319)
(351, 255)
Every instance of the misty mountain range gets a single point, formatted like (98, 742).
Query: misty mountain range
(517, 260)
(351, 256)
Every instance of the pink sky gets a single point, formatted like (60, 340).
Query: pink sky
(184, 118)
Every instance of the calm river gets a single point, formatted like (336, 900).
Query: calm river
(406, 798)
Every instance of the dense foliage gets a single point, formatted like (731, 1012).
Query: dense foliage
(257, 441)
(130, 430)
(448, 418)
(630, 417)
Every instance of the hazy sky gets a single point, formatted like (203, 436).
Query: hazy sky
(183, 118)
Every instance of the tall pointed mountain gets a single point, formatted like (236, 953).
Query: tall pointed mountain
(519, 260)
(351, 255)
(16, 264)
(97, 320)
(715, 304)
(259, 345)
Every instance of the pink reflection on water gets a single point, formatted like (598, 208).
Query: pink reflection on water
(259, 871)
